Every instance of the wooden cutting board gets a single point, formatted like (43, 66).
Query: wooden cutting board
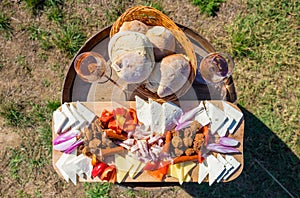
(98, 107)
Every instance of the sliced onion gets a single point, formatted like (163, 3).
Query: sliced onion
(183, 125)
(65, 145)
(226, 141)
(221, 149)
(189, 115)
(73, 146)
(65, 136)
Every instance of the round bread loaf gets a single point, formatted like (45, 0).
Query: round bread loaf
(175, 70)
(132, 57)
(126, 41)
(152, 83)
(135, 26)
(133, 67)
(163, 41)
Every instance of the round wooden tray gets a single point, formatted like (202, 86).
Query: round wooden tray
(75, 89)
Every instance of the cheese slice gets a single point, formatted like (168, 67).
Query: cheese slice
(68, 169)
(181, 170)
(136, 166)
(87, 114)
(143, 112)
(215, 169)
(157, 121)
(222, 131)
(216, 115)
(171, 112)
(59, 118)
(227, 166)
(202, 116)
(83, 164)
(71, 119)
(203, 171)
(187, 166)
(234, 114)
(81, 121)
(123, 166)
(235, 164)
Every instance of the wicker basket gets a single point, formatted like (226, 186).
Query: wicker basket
(152, 17)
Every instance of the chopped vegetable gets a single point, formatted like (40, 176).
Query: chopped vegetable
(109, 174)
(221, 149)
(65, 145)
(73, 146)
(99, 169)
(65, 136)
(226, 141)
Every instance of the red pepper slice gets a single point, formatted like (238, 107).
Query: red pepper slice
(109, 174)
(106, 116)
(131, 120)
(200, 158)
(98, 169)
(113, 125)
(120, 111)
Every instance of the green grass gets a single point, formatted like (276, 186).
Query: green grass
(112, 14)
(155, 4)
(43, 36)
(4, 22)
(14, 114)
(69, 38)
(208, 7)
(97, 190)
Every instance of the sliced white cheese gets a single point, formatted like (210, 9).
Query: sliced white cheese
(171, 112)
(203, 171)
(68, 169)
(83, 164)
(59, 164)
(87, 114)
(81, 121)
(134, 170)
(202, 116)
(216, 115)
(123, 166)
(222, 131)
(59, 118)
(157, 120)
(215, 169)
(71, 119)
(143, 112)
(234, 163)
(234, 114)
(227, 166)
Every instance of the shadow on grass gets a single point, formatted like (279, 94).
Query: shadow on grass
(271, 169)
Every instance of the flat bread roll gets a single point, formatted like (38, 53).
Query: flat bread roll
(163, 41)
(175, 70)
(133, 67)
(135, 26)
